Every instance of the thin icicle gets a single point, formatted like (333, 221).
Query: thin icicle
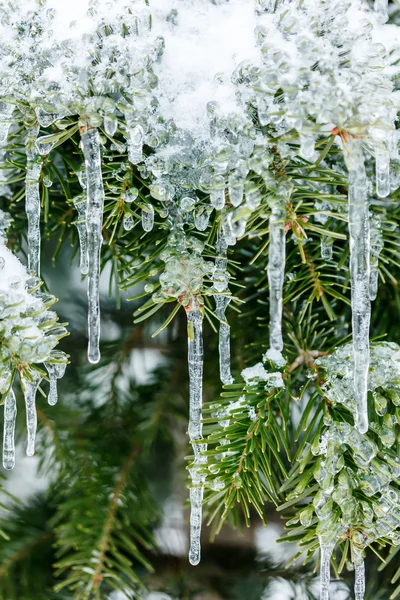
(30, 389)
(360, 276)
(220, 285)
(382, 167)
(376, 245)
(94, 220)
(80, 203)
(195, 364)
(32, 199)
(55, 371)
(276, 271)
(359, 582)
(325, 570)
(10, 414)
(148, 218)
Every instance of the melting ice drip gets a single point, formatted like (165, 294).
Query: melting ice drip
(220, 285)
(360, 276)
(195, 364)
(276, 271)
(94, 224)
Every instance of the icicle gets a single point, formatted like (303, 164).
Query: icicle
(148, 218)
(326, 247)
(128, 222)
(376, 244)
(30, 389)
(32, 199)
(135, 144)
(6, 111)
(195, 363)
(236, 188)
(55, 371)
(220, 285)
(10, 414)
(382, 167)
(359, 583)
(80, 203)
(381, 8)
(325, 569)
(201, 219)
(276, 271)
(217, 192)
(359, 274)
(95, 199)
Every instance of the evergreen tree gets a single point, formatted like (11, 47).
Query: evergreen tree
(231, 170)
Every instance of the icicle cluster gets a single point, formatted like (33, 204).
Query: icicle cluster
(179, 84)
(29, 334)
(373, 471)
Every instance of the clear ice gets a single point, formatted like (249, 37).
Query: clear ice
(10, 414)
(325, 569)
(382, 167)
(276, 271)
(360, 276)
(30, 389)
(359, 582)
(32, 199)
(55, 371)
(94, 220)
(80, 203)
(195, 364)
(221, 302)
(148, 218)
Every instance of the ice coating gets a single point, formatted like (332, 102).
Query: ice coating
(325, 570)
(360, 276)
(94, 220)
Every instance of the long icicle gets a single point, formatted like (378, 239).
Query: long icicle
(94, 220)
(325, 569)
(195, 364)
(30, 389)
(10, 414)
(32, 199)
(360, 276)
(221, 302)
(359, 582)
(276, 271)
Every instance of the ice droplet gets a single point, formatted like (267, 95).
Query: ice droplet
(10, 414)
(55, 371)
(45, 144)
(94, 219)
(148, 218)
(382, 166)
(135, 144)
